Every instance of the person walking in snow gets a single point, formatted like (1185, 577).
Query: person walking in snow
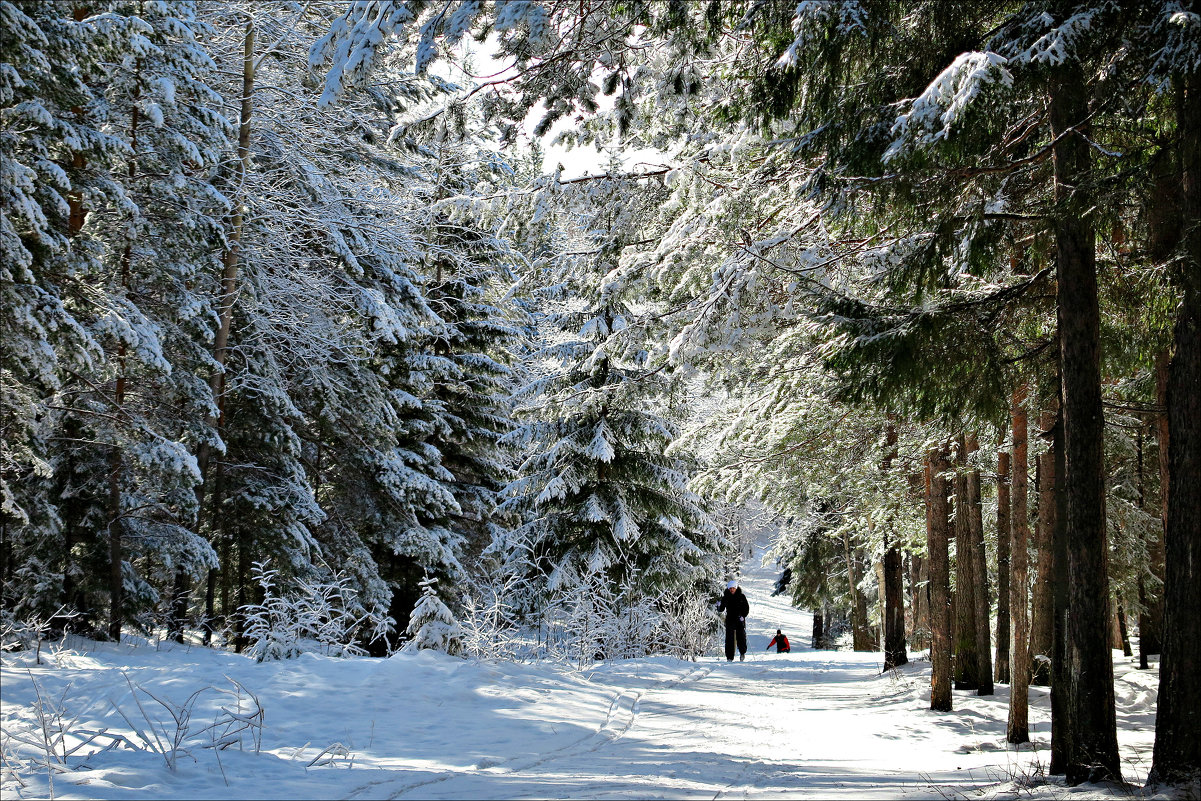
(781, 643)
(736, 607)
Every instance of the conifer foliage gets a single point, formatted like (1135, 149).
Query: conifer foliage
(298, 347)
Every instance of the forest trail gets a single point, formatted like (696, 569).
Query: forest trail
(822, 724)
(810, 724)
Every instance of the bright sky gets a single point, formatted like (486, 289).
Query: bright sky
(576, 161)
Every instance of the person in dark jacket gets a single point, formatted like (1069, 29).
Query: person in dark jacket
(781, 643)
(736, 607)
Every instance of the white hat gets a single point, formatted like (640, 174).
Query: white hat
(731, 584)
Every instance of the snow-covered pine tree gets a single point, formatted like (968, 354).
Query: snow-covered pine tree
(54, 154)
(469, 267)
(134, 223)
(432, 625)
(598, 493)
(326, 443)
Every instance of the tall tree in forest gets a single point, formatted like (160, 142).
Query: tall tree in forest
(598, 493)
(1042, 613)
(1093, 749)
(940, 602)
(981, 607)
(893, 589)
(1004, 567)
(1018, 730)
(966, 658)
(1177, 757)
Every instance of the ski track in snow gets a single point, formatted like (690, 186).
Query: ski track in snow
(810, 724)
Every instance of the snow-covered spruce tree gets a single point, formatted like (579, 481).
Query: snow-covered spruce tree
(163, 253)
(356, 418)
(468, 268)
(598, 494)
(323, 451)
(139, 222)
(432, 625)
(53, 151)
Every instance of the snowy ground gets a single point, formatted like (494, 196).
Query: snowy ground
(815, 724)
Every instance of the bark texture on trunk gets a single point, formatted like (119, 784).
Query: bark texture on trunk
(1003, 568)
(861, 639)
(1018, 730)
(1093, 749)
(1177, 756)
(1042, 611)
(980, 571)
(892, 587)
(894, 607)
(920, 580)
(1061, 728)
(940, 602)
(1123, 634)
(1150, 619)
(966, 659)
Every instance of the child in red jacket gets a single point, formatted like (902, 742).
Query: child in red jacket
(781, 643)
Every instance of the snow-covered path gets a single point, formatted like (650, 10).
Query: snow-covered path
(810, 724)
(818, 724)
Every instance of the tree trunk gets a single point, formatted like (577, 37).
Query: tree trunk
(1042, 614)
(1150, 619)
(920, 603)
(229, 275)
(1018, 730)
(860, 635)
(1123, 634)
(980, 571)
(892, 584)
(1177, 758)
(966, 660)
(819, 629)
(1061, 728)
(1093, 754)
(894, 623)
(937, 532)
(1003, 567)
(116, 460)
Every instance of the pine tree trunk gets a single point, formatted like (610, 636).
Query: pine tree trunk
(1061, 728)
(1003, 568)
(920, 603)
(979, 557)
(892, 585)
(1042, 613)
(1018, 730)
(1123, 634)
(937, 533)
(1177, 758)
(1093, 754)
(230, 264)
(1150, 620)
(966, 660)
(860, 636)
(894, 609)
(819, 629)
(116, 556)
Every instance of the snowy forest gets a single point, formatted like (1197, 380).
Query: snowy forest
(503, 328)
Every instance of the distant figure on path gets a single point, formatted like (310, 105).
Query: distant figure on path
(781, 643)
(736, 607)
